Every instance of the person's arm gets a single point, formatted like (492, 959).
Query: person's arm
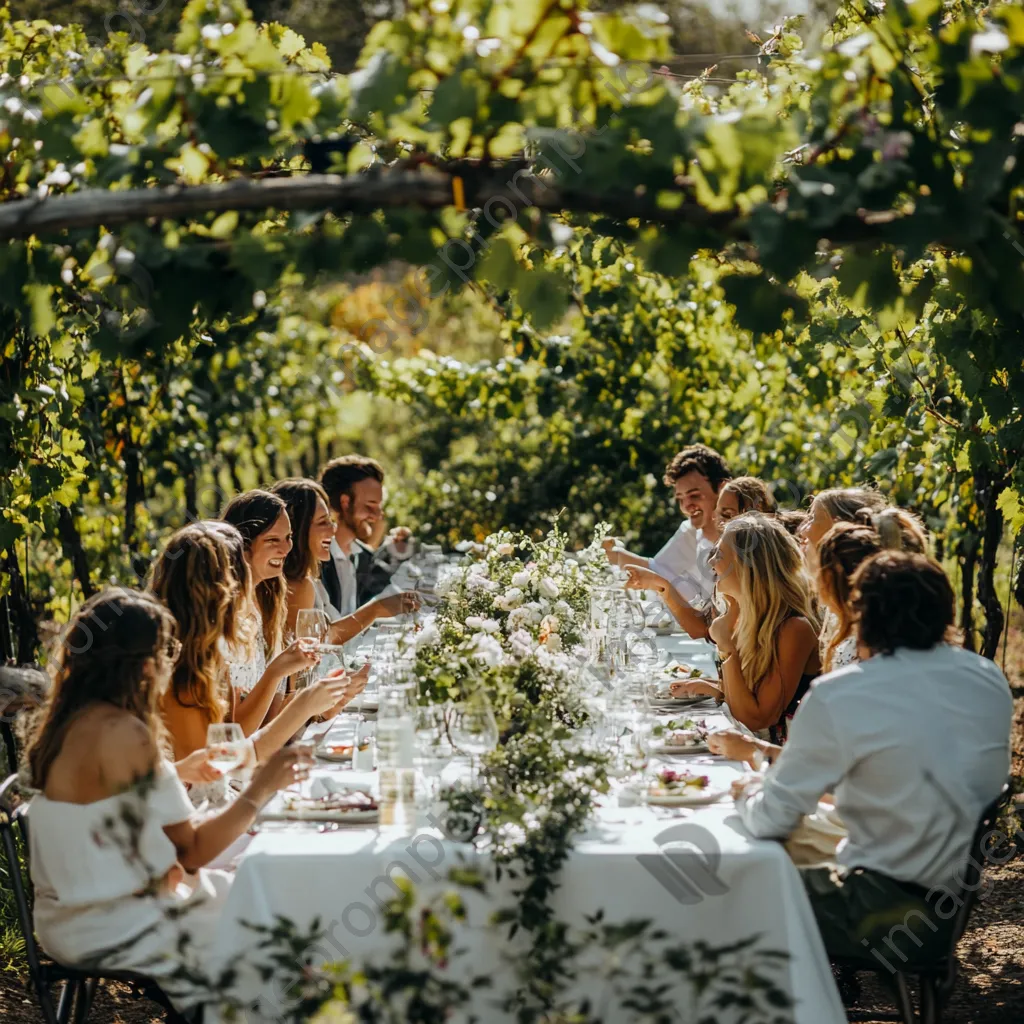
(644, 579)
(343, 630)
(197, 845)
(254, 709)
(620, 556)
(737, 746)
(760, 710)
(810, 765)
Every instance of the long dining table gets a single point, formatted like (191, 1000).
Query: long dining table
(696, 874)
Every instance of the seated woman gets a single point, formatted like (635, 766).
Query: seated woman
(312, 532)
(768, 636)
(116, 863)
(842, 551)
(197, 578)
(262, 520)
(735, 497)
(914, 740)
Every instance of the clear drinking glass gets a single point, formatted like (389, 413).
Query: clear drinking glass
(226, 743)
(312, 623)
(475, 730)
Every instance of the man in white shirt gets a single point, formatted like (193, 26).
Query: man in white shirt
(696, 475)
(356, 573)
(914, 742)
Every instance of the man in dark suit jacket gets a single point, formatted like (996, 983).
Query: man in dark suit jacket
(356, 573)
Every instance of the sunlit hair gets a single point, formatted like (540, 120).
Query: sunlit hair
(772, 587)
(197, 577)
(340, 475)
(102, 659)
(252, 514)
(902, 600)
(791, 519)
(752, 494)
(698, 458)
(850, 504)
(301, 497)
(842, 550)
(899, 530)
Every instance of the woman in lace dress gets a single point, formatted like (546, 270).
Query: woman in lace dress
(117, 864)
(201, 576)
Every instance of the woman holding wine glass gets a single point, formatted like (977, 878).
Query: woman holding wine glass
(313, 529)
(197, 578)
(98, 764)
(262, 520)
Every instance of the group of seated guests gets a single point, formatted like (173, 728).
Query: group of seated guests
(142, 675)
(835, 631)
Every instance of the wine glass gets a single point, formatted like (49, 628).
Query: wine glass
(226, 744)
(432, 750)
(475, 731)
(312, 623)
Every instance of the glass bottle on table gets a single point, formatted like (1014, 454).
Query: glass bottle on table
(395, 759)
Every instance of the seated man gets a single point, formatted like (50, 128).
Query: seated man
(914, 743)
(696, 474)
(356, 573)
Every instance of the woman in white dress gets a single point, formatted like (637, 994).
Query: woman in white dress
(262, 520)
(117, 864)
(202, 577)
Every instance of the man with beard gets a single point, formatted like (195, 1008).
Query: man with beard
(356, 573)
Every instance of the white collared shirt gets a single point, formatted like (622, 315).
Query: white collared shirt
(914, 746)
(346, 568)
(685, 561)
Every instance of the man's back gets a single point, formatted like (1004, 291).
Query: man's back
(922, 738)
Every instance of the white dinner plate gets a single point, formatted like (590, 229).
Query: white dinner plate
(671, 748)
(697, 799)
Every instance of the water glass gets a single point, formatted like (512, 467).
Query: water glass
(475, 729)
(226, 743)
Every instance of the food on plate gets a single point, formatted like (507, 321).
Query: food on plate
(340, 751)
(673, 783)
(677, 670)
(335, 800)
(686, 732)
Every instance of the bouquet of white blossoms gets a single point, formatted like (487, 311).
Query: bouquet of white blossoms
(522, 594)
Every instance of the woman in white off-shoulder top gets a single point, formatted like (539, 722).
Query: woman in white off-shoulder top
(117, 864)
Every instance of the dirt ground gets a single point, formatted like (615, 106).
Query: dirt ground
(990, 989)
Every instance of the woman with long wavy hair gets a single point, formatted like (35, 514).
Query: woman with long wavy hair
(768, 636)
(743, 494)
(116, 859)
(312, 531)
(262, 520)
(202, 577)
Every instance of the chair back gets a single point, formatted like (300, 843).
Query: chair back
(977, 859)
(14, 809)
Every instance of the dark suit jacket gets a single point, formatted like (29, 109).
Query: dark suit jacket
(373, 574)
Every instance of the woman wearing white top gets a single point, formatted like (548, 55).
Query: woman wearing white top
(262, 520)
(115, 857)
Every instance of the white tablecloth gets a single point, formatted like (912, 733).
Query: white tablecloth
(736, 888)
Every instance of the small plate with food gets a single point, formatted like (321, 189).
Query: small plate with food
(686, 736)
(682, 789)
(341, 751)
(329, 800)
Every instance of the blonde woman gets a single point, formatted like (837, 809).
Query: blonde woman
(838, 505)
(197, 577)
(743, 494)
(768, 636)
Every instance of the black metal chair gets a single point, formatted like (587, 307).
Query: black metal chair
(937, 980)
(77, 987)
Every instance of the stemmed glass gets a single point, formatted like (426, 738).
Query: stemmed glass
(312, 623)
(475, 730)
(226, 743)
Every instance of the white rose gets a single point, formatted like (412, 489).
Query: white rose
(482, 625)
(509, 600)
(521, 643)
(553, 642)
(548, 588)
(536, 612)
(427, 636)
(506, 549)
(563, 609)
(521, 578)
(519, 617)
(487, 650)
